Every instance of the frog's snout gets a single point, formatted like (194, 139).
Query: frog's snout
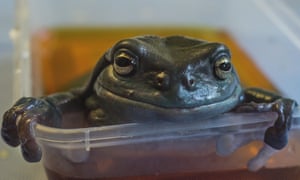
(163, 82)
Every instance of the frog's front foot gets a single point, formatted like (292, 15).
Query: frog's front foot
(19, 122)
(276, 136)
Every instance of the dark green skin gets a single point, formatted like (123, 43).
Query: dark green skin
(146, 79)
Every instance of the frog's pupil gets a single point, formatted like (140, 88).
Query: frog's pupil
(123, 62)
(225, 66)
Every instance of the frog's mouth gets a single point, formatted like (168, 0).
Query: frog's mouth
(126, 106)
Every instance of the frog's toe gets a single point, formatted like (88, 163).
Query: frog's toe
(225, 145)
(277, 135)
(9, 131)
(276, 138)
(30, 149)
(261, 158)
(9, 138)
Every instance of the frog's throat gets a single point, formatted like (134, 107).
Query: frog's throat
(114, 100)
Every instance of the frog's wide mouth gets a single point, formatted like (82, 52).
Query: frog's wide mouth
(206, 110)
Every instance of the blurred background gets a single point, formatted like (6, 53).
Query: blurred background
(12, 167)
(266, 32)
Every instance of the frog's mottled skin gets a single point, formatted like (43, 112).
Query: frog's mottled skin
(150, 78)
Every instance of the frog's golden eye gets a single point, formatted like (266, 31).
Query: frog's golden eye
(223, 67)
(124, 63)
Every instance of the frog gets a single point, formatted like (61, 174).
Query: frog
(144, 78)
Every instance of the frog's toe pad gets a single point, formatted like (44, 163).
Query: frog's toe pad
(261, 158)
(225, 145)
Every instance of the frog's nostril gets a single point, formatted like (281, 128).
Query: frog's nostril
(162, 81)
(188, 82)
(191, 82)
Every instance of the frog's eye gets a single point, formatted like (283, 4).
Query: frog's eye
(223, 68)
(124, 63)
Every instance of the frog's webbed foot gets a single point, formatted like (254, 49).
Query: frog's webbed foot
(276, 136)
(19, 122)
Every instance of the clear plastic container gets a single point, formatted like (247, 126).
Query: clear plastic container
(165, 150)
(174, 150)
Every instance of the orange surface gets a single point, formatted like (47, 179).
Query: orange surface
(63, 55)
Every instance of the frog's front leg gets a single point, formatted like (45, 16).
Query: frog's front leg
(263, 101)
(276, 136)
(19, 121)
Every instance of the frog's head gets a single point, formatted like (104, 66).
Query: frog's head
(175, 73)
